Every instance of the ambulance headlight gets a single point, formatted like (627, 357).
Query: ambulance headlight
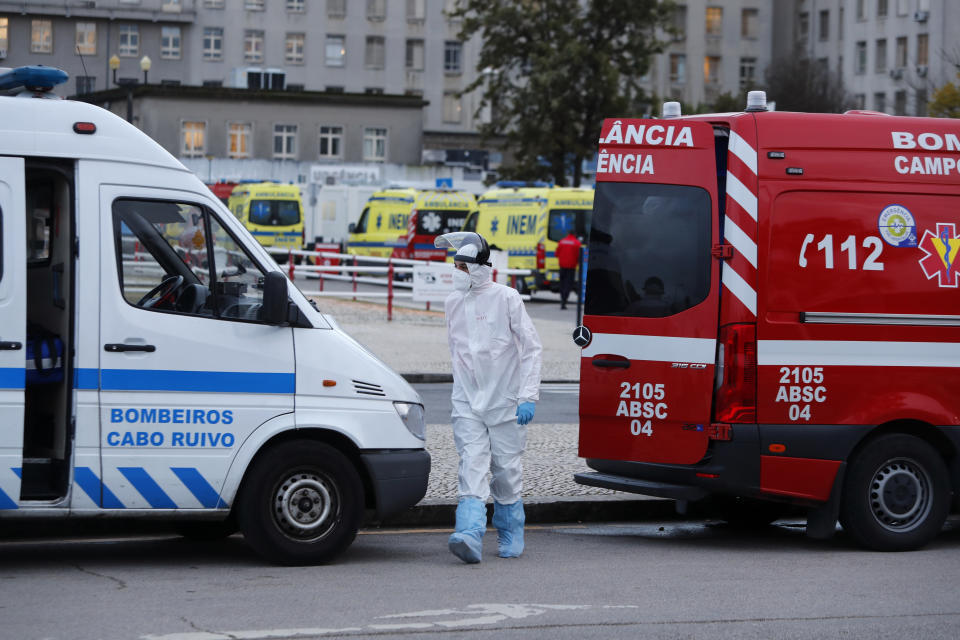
(412, 416)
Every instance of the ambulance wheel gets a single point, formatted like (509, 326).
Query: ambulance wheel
(301, 503)
(896, 494)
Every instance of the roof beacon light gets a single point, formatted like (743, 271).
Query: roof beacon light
(670, 110)
(36, 78)
(757, 101)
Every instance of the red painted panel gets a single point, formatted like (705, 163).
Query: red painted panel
(798, 477)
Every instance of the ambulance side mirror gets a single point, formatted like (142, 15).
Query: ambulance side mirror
(352, 227)
(274, 307)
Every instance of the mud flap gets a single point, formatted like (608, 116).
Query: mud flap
(822, 520)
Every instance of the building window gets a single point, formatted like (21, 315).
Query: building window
(336, 8)
(335, 51)
(714, 21)
(748, 72)
(880, 101)
(859, 101)
(452, 56)
(416, 10)
(679, 22)
(749, 23)
(923, 48)
(170, 43)
(824, 26)
(840, 24)
(900, 60)
(861, 10)
(452, 109)
(214, 4)
(86, 84)
(374, 144)
(129, 46)
(86, 38)
(900, 103)
(903, 7)
(331, 142)
(193, 139)
(678, 68)
(253, 46)
(415, 55)
(212, 44)
(296, 6)
(239, 139)
(803, 27)
(374, 55)
(711, 69)
(880, 63)
(41, 36)
(881, 8)
(254, 5)
(921, 102)
(4, 38)
(294, 48)
(860, 58)
(376, 10)
(285, 141)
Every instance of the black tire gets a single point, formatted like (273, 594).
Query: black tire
(896, 494)
(206, 530)
(301, 503)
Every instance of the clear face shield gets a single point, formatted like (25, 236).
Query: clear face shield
(470, 247)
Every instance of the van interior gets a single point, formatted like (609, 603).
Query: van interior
(48, 412)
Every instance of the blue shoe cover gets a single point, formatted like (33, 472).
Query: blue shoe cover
(509, 520)
(466, 542)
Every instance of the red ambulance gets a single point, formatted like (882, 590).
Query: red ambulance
(772, 313)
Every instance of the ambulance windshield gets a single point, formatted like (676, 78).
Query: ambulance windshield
(649, 251)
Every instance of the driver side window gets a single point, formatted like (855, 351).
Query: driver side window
(177, 257)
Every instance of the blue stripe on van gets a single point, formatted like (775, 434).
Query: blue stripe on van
(90, 483)
(12, 377)
(6, 502)
(147, 487)
(199, 381)
(276, 233)
(86, 379)
(384, 243)
(198, 486)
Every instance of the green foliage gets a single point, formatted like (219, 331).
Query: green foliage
(552, 70)
(797, 83)
(945, 102)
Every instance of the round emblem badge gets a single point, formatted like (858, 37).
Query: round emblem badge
(897, 226)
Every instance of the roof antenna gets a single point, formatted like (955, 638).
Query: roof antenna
(83, 64)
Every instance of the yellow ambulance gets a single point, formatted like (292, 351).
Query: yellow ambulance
(382, 226)
(272, 212)
(513, 218)
(568, 209)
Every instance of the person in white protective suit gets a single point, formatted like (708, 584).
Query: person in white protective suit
(496, 378)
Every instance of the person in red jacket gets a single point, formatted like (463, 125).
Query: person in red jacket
(568, 255)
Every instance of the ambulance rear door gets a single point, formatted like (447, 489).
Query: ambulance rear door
(651, 305)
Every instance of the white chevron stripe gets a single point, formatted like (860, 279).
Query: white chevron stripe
(739, 288)
(742, 195)
(740, 241)
(742, 149)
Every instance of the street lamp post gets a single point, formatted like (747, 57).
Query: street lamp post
(145, 67)
(114, 65)
(128, 84)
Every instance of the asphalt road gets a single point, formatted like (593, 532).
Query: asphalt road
(559, 403)
(655, 580)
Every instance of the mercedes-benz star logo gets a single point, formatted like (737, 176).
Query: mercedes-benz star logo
(582, 336)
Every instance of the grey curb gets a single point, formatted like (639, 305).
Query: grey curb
(544, 511)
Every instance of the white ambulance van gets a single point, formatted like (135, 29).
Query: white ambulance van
(147, 373)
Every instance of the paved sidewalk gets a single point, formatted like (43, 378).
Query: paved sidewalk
(414, 343)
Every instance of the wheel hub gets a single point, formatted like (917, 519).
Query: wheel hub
(900, 495)
(303, 505)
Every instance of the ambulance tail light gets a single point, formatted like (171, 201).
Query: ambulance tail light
(736, 397)
(541, 256)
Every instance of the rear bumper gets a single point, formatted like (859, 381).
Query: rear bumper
(399, 479)
(645, 487)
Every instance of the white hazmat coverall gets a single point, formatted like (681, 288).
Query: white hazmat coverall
(496, 357)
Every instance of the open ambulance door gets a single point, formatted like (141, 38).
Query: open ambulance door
(13, 327)
(652, 292)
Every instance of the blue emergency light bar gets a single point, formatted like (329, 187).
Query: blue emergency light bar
(518, 184)
(33, 78)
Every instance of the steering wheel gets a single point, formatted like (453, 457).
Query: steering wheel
(160, 292)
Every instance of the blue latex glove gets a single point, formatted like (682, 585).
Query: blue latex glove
(525, 412)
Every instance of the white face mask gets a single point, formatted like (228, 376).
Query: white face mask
(461, 280)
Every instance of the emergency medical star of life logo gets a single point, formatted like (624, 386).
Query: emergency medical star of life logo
(432, 222)
(941, 249)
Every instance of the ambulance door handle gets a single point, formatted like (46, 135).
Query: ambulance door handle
(10, 346)
(610, 361)
(118, 348)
